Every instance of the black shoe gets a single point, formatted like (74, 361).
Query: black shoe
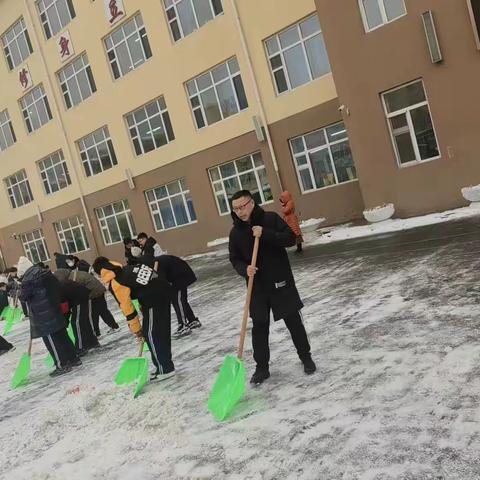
(299, 248)
(156, 375)
(82, 352)
(60, 371)
(75, 363)
(9, 349)
(309, 366)
(260, 375)
(194, 324)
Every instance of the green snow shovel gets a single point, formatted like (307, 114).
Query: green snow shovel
(12, 317)
(23, 368)
(229, 385)
(48, 361)
(134, 370)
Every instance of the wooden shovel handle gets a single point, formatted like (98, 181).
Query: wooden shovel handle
(29, 351)
(140, 351)
(246, 308)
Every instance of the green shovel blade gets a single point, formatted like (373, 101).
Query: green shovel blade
(9, 320)
(22, 371)
(145, 348)
(5, 311)
(70, 333)
(142, 380)
(133, 370)
(228, 389)
(17, 315)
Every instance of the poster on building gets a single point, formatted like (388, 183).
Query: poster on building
(25, 78)
(114, 10)
(65, 46)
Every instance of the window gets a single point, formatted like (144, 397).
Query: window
(298, 55)
(18, 189)
(97, 152)
(246, 173)
(76, 81)
(54, 173)
(128, 47)
(116, 222)
(35, 247)
(171, 205)
(7, 135)
(410, 123)
(16, 44)
(35, 108)
(217, 94)
(54, 15)
(150, 126)
(474, 12)
(186, 16)
(71, 235)
(376, 13)
(323, 158)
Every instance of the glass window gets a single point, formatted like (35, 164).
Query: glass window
(298, 55)
(55, 15)
(128, 47)
(323, 158)
(116, 222)
(35, 247)
(410, 123)
(18, 189)
(54, 173)
(217, 94)
(376, 13)
(97, 152)
(150, 127)
(72, 235)
(246, 173)
(171, 205)
(76, 81)
(16, 44)
(186, 16)
(36, 109)
(7, 135)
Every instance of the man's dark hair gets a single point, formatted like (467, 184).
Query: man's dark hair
(104, 263)
(127, 240)
(240, 194)
(142, 235)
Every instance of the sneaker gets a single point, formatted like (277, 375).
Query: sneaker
(11, 349)
(60, 371)
(75, 363)
(157, 376)
(260, 375)
(182, 331)
(194, 324)
(309, 366)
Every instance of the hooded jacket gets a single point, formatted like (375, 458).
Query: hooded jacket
(94, 286)
(289, 215)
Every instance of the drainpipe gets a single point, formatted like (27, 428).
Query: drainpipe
(256, 91)
(62, 125)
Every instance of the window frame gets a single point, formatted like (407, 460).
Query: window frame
(26, 244)
(60, 231)
(47, 23)
(383, 12)
(27, 108)
(11, 193)
(128, 213)
(406, 111)
(43, 170)
(28, 42)
(7, 124)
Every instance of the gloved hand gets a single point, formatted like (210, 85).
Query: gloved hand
(135, 327)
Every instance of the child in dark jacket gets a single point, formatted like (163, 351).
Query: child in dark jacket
(4, 345)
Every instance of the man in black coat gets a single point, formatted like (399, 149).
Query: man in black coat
(274, 288)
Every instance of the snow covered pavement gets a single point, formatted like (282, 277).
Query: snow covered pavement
(395, 334)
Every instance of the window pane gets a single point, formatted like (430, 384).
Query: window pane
(372, 13)
(124, 227)
(203, 11)
(187, 19)
(296, 66)
(227, 170)
(167, 214)
(426, 141)
(306, 179)
(281, 81)
(241, 96)
(158, 131)
(322, 168)
(226, 96)
(315, 139)
(179, 210)
(336, 132)
(317, 56)
(217, 6)
(249, 182)
(244, 164)
(146, 137)
(265, 185)
(394, 8)
(405, 97)
(343, 161)
(297, 145)
(289, 37)
(272, 45)
(310, 26)
(210, 105)
(231, 186)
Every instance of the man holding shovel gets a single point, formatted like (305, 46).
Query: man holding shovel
(274, 288)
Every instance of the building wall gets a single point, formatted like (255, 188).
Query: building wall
(366, 64)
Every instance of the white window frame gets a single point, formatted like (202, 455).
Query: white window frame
(83, 149)
(33, 103)
(102, 220)
(57, 162)
(6, 123)
(237, 175)
(7, 44)
(30, 241)
(406, 112)
(282, 50)
(162, 112)
(173, 6)
(154, 206)
(78, 65)
(383, 12)
(47, 22)
(74, 223)
(18, 178)
(137, 19)
(307, 152)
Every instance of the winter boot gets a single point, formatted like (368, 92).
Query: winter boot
(60, 371)
(194, 324)
(260, 375)
(309, 366)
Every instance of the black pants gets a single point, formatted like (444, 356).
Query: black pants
(4, 345)
(82, 327)
(182, 308)
(60, 347)
(157, 333)
(99, 308)
(261, 329)
(24, 308)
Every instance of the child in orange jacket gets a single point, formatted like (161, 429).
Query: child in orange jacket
(291, 218)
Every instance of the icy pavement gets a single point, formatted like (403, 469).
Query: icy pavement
(394, 324)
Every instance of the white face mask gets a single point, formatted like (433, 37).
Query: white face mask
(70, 263)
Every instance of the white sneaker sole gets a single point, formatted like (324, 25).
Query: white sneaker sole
(161, 377)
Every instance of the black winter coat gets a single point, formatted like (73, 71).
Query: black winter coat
(41, 292)
(73, 293)
(274, 279)
(61, 261)
(3, 300)
(151, 248)
(176, 270)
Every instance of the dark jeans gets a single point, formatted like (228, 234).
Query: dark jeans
(82, 327)
(60, 347)
(99, 308)
(182, 308)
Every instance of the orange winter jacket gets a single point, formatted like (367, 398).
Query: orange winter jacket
(289, 215)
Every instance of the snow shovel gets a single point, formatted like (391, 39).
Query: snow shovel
(134, 370)
(23, 368)
(12, 316)
(229, 385)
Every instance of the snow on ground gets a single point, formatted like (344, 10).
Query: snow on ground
(396, 395)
